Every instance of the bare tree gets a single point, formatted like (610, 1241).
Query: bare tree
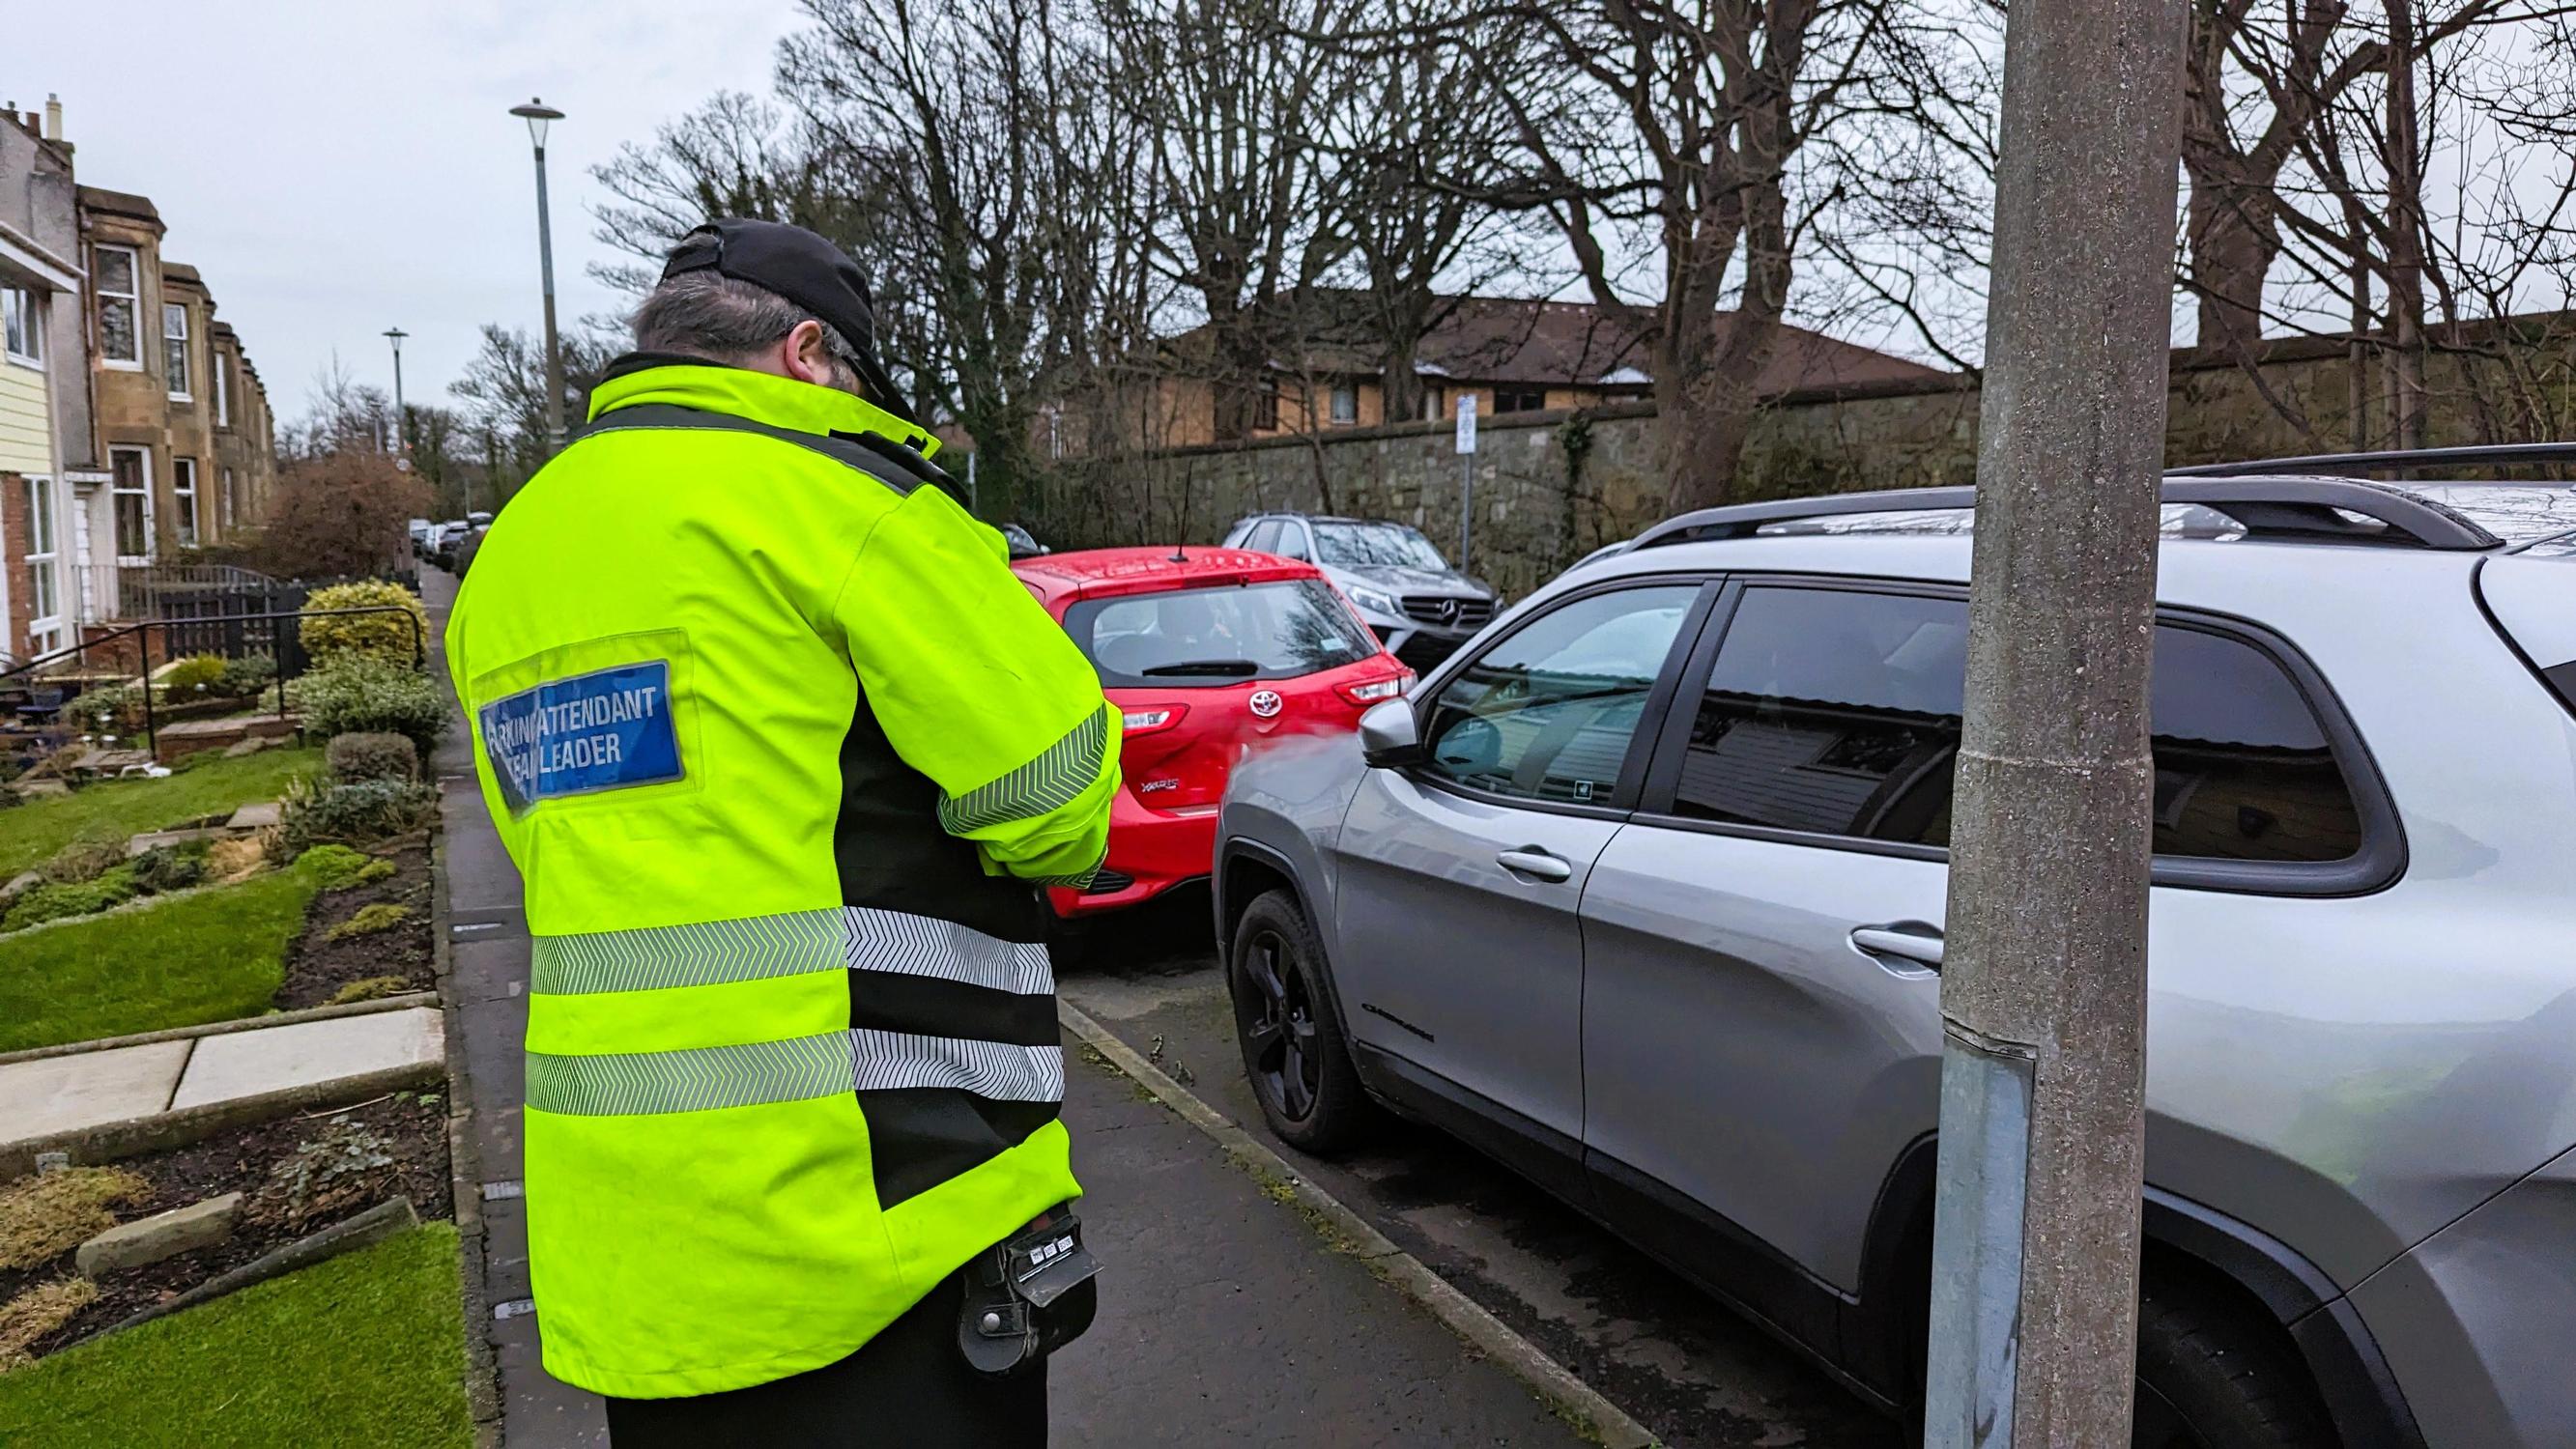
(504, 391)
(734, 156)
(1696, 136)
(1247, 218)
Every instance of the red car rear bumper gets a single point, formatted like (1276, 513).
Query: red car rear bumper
(1150, 851)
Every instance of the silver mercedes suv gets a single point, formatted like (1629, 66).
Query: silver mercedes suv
(1421, 607)
(1641, 893)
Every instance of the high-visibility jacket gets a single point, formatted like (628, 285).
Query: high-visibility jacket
(782, 750)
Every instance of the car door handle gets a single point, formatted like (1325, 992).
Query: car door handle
(1909, 941)
(1531, 861)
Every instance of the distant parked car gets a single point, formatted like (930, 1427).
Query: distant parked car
(1422, 608)
(1206, 651)
(1024, 544)
(420, 537)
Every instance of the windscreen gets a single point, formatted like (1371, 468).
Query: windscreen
(1370, 545)
(1210, 637)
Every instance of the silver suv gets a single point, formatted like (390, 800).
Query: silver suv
(1421, 608)
(1642, 894)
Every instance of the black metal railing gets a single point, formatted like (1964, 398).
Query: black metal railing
(126, 655)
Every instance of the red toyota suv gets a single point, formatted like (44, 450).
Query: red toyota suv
(1208, 651)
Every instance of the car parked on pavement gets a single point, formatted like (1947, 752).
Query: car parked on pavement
(1023, 544)
(1642, 894)
(420, 537)
(1420, 606)
(1207, 652)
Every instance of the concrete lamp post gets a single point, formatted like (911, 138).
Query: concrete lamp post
(402, 444)
(539, 116)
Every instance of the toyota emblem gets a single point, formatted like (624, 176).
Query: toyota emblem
(1266, 703)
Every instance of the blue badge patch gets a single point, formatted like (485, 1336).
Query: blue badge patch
(606, 730)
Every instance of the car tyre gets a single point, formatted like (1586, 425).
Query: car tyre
(2211, 1377)
(1292, 1044)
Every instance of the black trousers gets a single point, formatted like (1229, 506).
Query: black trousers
(907, 1387)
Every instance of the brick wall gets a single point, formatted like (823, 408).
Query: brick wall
(14, 539)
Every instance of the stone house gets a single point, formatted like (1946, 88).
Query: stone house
(133, 427)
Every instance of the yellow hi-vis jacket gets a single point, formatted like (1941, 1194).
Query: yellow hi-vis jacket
(782, 751)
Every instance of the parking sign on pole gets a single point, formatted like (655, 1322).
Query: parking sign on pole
(1466, 476)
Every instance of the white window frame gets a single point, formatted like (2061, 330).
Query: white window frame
(223, 388)
(44, 566)
(1343, 392)
(98, 285)
(115, 491)
(188, 526)
(27, 306)
(178, 364)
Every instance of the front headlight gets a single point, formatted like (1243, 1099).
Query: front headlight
(1373, 602)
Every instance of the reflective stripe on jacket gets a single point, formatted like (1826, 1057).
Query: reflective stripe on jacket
(781, 749)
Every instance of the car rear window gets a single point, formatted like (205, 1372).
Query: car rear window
(1838, 712)
(1212, 637)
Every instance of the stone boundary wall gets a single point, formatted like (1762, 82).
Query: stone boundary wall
(1552, 486)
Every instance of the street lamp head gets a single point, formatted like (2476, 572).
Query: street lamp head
(538, 115)
(396, 336)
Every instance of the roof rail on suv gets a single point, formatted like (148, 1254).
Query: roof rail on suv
(2408, 460)
(2334, 509)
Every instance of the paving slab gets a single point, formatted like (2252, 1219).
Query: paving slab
(89, 1089)
(158, 838)
(255, 817)
(246, 1064)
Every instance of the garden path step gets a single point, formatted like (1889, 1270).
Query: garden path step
(255, 817)
(153, 840)
(63, 1094)
(308, 1053)
(91, 1089)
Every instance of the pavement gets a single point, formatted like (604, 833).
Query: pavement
(1695, 1374)
(1226, 1316)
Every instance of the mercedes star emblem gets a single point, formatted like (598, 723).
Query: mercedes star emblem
(1266, 702)
(1448, 611)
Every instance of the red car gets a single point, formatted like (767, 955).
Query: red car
(1207, 650)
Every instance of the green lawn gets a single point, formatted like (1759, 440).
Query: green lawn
(31, 832)
(213, 956)
(366, 1350)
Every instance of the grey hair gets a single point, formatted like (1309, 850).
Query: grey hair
(708, 314)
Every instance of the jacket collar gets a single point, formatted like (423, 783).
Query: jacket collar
(781, 402)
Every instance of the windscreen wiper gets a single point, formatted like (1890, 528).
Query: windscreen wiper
(1229, 667)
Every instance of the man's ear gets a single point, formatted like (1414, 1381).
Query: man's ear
(808, 358)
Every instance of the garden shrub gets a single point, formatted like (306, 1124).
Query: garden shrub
(382, 916)
(247, 676)
(363, 694)
(196, 674)
(110, 709)
(371, 755)
(381, 636)
(85, 859)
(360, 813)
(51, 902)
(335, 865)
(169, 868)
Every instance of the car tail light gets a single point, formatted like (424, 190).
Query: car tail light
(1372, 690)
(1147, 721)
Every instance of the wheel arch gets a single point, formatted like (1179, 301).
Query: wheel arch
(2317, 1325)
(1247, 870)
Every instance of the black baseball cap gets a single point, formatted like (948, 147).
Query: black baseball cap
(806, 270)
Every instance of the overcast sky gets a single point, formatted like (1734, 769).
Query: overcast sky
(338, 167)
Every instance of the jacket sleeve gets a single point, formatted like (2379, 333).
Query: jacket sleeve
(978, 688)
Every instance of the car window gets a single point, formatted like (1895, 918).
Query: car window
(1839, 713)
(1368, 545)
(1291, 541)
(1548, 712)
(1212, 637)
(1263, 537)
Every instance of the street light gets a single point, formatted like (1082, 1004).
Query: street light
(539, 116)
(395, 335)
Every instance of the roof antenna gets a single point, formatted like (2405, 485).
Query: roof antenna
(1178, 556)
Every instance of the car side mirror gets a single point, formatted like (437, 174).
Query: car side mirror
(1390, 738)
